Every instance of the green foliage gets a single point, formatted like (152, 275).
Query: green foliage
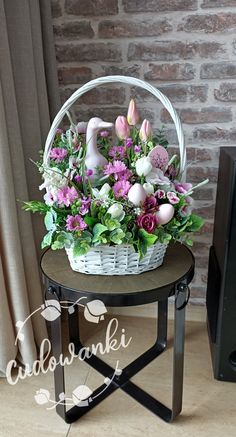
(49, 220)
(47, 240)
(80, 247)
(117, 236)
(194, 223)
(144, 241)
(63, 239)
(35, 206)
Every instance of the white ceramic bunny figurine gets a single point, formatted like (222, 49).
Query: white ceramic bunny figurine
(93, 157)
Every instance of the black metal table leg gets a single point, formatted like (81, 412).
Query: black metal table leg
(181, 299)
(57, 351)
(162, 322)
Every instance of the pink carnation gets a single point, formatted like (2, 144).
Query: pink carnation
(85, 205)
(121, 188)
(172, 197)
(182, 187)
(114, 168)
(160, 194)
(66, 196)
(186, 209)
(58, 154)
(75, 223)
(117, 152)
(124, 175)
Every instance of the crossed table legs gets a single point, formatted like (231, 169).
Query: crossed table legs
(123, 381)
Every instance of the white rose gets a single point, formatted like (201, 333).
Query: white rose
(149, 188)
(116, 211)
(143, 166)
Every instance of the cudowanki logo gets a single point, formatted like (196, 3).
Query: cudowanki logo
(82, 395)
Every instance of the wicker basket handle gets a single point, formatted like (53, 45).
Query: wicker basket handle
(112, 79)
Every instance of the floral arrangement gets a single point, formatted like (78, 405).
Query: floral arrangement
(113, 185)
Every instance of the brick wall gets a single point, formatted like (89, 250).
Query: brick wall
(187, 48)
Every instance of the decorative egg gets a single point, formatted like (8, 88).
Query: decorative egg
(137, 194)
(159, 157)
(165, 213)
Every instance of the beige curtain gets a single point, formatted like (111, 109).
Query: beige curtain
(28, 99)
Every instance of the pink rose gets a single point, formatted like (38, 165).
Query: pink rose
(147, 222)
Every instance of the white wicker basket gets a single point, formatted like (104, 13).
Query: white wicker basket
(117, 260)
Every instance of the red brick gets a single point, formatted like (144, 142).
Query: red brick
(197, 116)
(201, 154)
(204, 194)
(201, 261)
(91, 7)
(103, 96)
(201, 248)
(217, 3)
(109, 113)
(220, 70)
(176, 93)
(74, 29)
(74, 75)
(198, 292)
(56, 8)
(216, 134)
(126, 29)
(196, 174)
(208, 23)
(173, 50)
(125, 70)
(226, 92)
(159, 5)
(170, 72)
(206, 212)
(89, 52)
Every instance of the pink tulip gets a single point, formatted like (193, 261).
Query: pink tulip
(145, 131)
(122, 127)
(132, 114)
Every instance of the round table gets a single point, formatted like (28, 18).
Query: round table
(171, 279)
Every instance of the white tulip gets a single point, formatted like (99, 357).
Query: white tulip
(116, 211)
(143, 166)
(149, 188)
(104, 191)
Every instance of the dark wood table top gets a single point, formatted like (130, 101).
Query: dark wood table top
(178, 264)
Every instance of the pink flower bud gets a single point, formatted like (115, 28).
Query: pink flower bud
(145, 131)
(132, 114)
(122, 127)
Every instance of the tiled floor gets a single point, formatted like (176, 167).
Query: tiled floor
(209, 406)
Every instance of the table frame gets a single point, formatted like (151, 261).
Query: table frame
(181, 296)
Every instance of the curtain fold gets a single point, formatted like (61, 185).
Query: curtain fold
(24, 122)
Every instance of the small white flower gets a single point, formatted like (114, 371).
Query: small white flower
(116, 211)
(53, 178)
(137, 211)
(149, 188)
(143, 166)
